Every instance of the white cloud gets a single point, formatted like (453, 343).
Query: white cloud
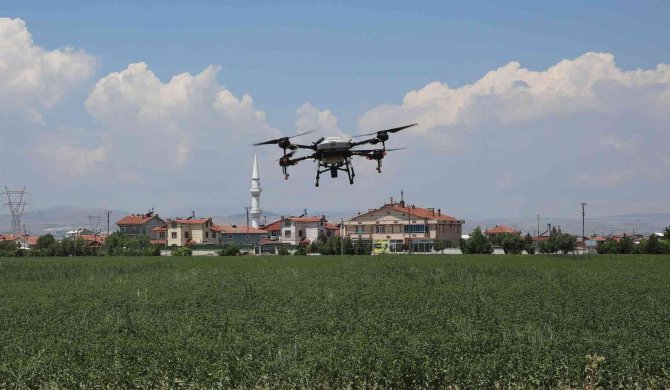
(555, 116)
(151, 125)
(66, 155)
(309, 117)
(32, 78)
(512, 94)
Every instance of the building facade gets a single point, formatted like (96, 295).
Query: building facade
(191, 231)
(239, 235)
(395, 227)
(299, 230)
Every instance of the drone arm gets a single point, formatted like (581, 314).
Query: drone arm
(298, 146)
(371, 141)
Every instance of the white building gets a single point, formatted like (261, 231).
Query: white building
(300, 230)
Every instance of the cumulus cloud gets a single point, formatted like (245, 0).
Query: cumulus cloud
(162, 124)
(68, 156)
(512, 94)
(556, 116)
(309, 117)
(32, 78)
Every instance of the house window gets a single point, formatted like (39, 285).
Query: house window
(360, 229)
(206, 234)
(213, 234)
(161, 235)
(174, 225)
(415, 228)
(287, 223)
(185, 234)
(380, 229)
(174, 235)
(287, 233)
(300, 233)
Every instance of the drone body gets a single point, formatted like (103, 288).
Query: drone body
(334, 154)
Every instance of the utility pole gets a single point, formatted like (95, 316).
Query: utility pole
(247, 237)
(538, 226)
(583, 216)
(341, 236)
(108, 212)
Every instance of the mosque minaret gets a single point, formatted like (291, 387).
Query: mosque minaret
(256, 190)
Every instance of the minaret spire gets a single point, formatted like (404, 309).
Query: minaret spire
(255, 190)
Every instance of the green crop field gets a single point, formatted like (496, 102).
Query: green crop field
(280, 322)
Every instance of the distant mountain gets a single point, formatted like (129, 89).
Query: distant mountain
(629, 223)
(60, 219)
(57, 220)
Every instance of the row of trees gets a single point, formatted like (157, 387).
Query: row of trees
(117, 244)
(652, 245)
(335, 245)
(479, 243)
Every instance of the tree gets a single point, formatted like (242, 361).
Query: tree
(652, 245)
(666, 234)
(439, 245)
(45, 241)
(626, 245)
(301, 250)
(478, 243)
(529, 247)
(566, 242)
(513, 243)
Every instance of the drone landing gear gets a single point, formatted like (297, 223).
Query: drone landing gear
(379, 166)
(333, 169)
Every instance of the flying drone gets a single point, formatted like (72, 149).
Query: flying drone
(334, 154)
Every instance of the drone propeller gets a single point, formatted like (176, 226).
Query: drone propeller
(393, 130)
(282, 139)
(287, 156)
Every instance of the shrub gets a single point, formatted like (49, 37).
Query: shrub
(229, 250)
(182, 251)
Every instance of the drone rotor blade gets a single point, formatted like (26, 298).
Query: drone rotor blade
(393, 130)
(278, 140)
(397, 129)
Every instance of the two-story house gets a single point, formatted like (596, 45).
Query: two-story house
(191, 231)
(299, 230)
(136, 224)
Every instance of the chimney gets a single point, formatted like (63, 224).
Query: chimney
(305, 214)
(439, 212)
(192, 214)
(391, 201)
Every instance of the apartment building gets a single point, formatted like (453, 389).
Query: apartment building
(397, 225)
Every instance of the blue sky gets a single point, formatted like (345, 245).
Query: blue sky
(349, 61)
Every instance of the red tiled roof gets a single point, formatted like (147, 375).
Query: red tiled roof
(228, 229)
(421, 213)
(501, 229)
(31, 240)
(157, 242)
(93, 238)
(193, 221)
(305, 219)
(332, 226)
(138, 219)
(159, 229)
(276, 225)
